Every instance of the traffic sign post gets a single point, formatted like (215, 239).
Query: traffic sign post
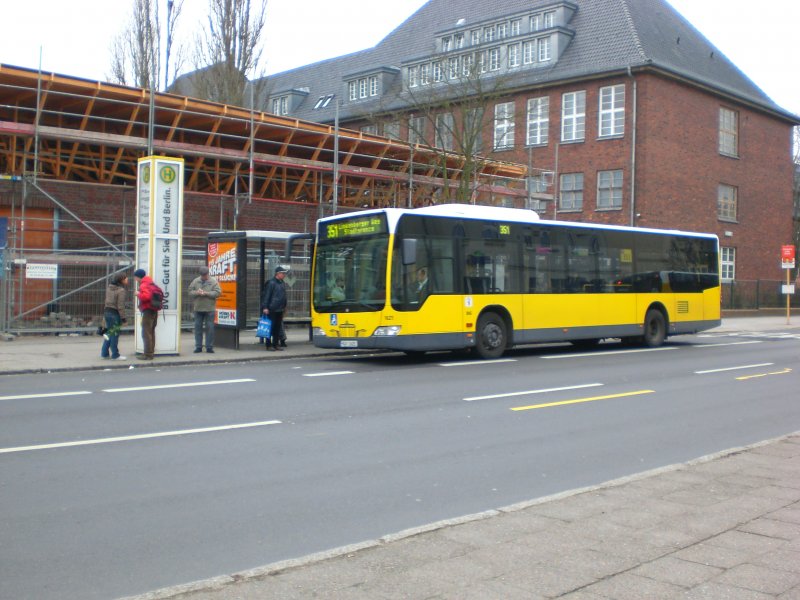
(787, 263)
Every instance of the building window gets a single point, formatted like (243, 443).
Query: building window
(452, 67)
(475, 37)
(370, 129)
(324, 101)
(529, 52)
(444, 131)
(280, 106)
(536, 22)
(504, 126)
(458, 40)
(513, 56)
(728, 132)
(467, 64)
(494, 59)
(502, 31)
(416, 130)
(726, 202)
(392, 130)
(488, 33)
(573, 116)
(538, 121)
(362, 88)
(544, 49)
(571, 192)
(437, 72)
(609, 189)
(425, 74)
(413, 79)
(516, 26)
(612, 110)
(549, 20)
(446, 44)
(373, 86)
(727, 260)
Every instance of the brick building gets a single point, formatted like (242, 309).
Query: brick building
(626, 111)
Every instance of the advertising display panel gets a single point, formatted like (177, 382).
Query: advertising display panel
(159, 227)
(227, 263)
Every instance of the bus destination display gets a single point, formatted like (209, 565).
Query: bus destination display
(355, 227)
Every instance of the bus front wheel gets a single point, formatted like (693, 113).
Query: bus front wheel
(655, 328)
(491, 336)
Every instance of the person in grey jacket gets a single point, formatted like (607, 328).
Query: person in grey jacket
(273, 305)
(204, 291)
(114, 316)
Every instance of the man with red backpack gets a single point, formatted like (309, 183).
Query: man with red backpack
(150, 302)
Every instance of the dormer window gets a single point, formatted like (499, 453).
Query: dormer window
(516, 26)
(446, 44)
(352, 88)
(425, 74)
(475, 37)
(413, 76)
(536, 22)
(549, 19)
(544, 49)
(458, 40)
(488, 33)
(280, 106)
(502, 30)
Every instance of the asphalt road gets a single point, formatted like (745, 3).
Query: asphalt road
(116, 483)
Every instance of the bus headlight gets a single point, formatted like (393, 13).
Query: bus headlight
(318, 332)
(390, 330)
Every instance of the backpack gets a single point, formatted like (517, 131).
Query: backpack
(157, 298)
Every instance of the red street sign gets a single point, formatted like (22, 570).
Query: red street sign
(787, 252)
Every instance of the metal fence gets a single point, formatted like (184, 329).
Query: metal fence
(65, 292)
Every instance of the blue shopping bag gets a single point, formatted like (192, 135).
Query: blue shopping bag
(264, 329)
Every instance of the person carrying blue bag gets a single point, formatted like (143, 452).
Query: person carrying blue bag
(273, 305)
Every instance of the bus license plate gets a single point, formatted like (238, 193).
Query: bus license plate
(348, 344)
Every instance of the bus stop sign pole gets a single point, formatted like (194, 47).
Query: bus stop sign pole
(787, 263)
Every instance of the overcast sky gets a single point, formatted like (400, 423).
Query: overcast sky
(74, 35)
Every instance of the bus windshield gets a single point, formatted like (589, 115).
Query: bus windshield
(351, 274)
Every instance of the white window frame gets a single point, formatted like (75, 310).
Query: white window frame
(488, 33)
(727, 202)
(728, 132)
(475, 37)
(494, 59)
(529, 52)
(573, 116)
(516, 26)
(369, 129)
(538, 121)
(727, 263)
(444, 131)
(373, 85)
(549, 19)
(280, 105)
(514, 58)
(352, 88)
(437, 72)
(609, 189)
(363, 88)
(504, 126)
(536, 22)
(453, 67)
(446, 42)
(467, 64)
(611, 109)
(425, 74)
(458, 41)
(502, 30)
(544, 53)
(570, 192)
(416, 130)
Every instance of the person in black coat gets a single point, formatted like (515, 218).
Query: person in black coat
(273, 305)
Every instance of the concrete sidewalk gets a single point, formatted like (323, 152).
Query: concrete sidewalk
(46, 353)
(725, 526)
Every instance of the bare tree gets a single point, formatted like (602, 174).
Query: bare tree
(136, 50)
(451, 106)
(229, 50)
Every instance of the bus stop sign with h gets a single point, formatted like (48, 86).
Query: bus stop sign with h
(787, 263)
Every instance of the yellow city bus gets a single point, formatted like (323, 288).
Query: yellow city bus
(461, 277)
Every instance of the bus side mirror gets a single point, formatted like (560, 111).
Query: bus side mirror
(409, 251)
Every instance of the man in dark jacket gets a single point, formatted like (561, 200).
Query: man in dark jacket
(273, 304)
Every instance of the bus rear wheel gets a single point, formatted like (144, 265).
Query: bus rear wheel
(491, 336)
(655, 328)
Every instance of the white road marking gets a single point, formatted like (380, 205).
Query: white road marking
(328, 373)
(48, 395)
(607, 353)
(727, 344)
(178, 385)
(477, 363)
(734, 368)
(530, 392)
(143, 436)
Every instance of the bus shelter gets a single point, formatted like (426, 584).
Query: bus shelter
(242, 261)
